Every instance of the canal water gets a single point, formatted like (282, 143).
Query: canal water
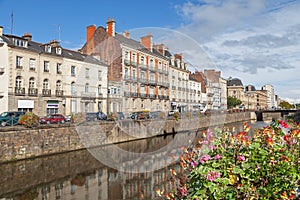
(101, 173)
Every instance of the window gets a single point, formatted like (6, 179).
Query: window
(100, 75)
(46, 66)
(160, 64)
(73, 88)
(126, 55)
(20, 43)
(143, 89)
(99, 90)
(133, 73)
(31, 82)
(86, 88)
(31, 64)
(46, 84)
(142, 75)
(48, 48)
(126, 72)
(133, 87)
(73, 68)
(58, 85)
(87, 72)
(58, 50)
(18, 82)
(133, 57)
(151, 63)
(142, 60)
(19, 62)
(58, 68)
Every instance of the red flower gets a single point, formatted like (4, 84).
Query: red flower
(283, 124)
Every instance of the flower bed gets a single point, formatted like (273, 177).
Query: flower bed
(223, 165)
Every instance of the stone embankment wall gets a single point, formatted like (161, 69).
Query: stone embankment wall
(21, 143)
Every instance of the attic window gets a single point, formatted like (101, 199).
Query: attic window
(20, 43)
(58, 50)
(48, 48)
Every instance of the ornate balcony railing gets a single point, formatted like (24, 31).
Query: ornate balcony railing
(32, 92)
(151, 68)
(143, 66)
(59, 93)
(143, 80)
(143, 95)
(152, 96)
(19, 91)
(46, 93)
(127, 94)
(153, 82)
(133, 94)
(88, 94)
(127, 62)
(173, 87)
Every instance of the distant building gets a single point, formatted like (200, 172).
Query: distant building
(213, 88)
(46, 78)
(270, 95)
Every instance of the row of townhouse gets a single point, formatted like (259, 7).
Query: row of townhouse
(145, 76)
(46, 78)
(111, 73)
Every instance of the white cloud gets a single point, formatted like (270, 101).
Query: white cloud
(257, 41)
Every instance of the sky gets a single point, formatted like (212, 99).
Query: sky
(257, 41)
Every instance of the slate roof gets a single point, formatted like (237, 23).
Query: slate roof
(40, 48)
(234, 82)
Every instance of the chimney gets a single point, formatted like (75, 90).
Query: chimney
(179, 56)
(110, 27)
(90, 30)
(54, 43)
(27, 36)
(126, 34)
(160, 48)
(1, 30)
(147, 41)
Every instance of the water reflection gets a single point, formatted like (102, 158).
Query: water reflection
(78, 175)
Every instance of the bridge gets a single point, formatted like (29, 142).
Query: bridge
(263, 115)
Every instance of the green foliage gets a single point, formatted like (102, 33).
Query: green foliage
(176, 115)
(232, 102)
(224, 165)
(286, 105)
(29, 120)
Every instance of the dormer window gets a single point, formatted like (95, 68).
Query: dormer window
(20, 43)
(58, 50)
(48, 48)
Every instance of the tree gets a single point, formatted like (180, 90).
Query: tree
(233, 102)
(285, 105)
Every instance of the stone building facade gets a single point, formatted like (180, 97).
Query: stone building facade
(46, 78)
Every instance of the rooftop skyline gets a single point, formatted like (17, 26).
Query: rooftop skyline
(256, 41)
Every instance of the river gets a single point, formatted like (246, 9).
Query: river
(131, 170)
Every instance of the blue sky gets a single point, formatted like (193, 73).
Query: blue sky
(257, 41)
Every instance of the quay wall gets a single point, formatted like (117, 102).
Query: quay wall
(19, 143)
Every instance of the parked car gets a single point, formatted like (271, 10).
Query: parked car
(140, 115)
(101, 116)
(52, 119)
(10, 118)
(68, 118)
(156, 114)
(91, 116)
(121, 115)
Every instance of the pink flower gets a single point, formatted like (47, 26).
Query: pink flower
(206, 157)
(213, 147)
(194, 164)
(212, 175)
(241, 158)
(217, 157)
(183, 191)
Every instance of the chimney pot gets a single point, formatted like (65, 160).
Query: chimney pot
(110, 27)
(27, 36)
(126, 34)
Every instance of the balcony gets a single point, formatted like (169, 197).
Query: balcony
(19, 91)
(127, 94)
(133, 64)
(19, 67)
(73, 93)
(127, 62)
(152, 82)
(160, 96)
(165, 72)
(143, 66)
(100, 95)
(143, 80)
(151, 68)
(152, 96)
(127, 78)
(88, 94)
(179, 88)
(133, 94)
(32, 92)
(143, 95)
(161, 71)
(46, 93)
(166, 97)
(173, 87)
(59, 93)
